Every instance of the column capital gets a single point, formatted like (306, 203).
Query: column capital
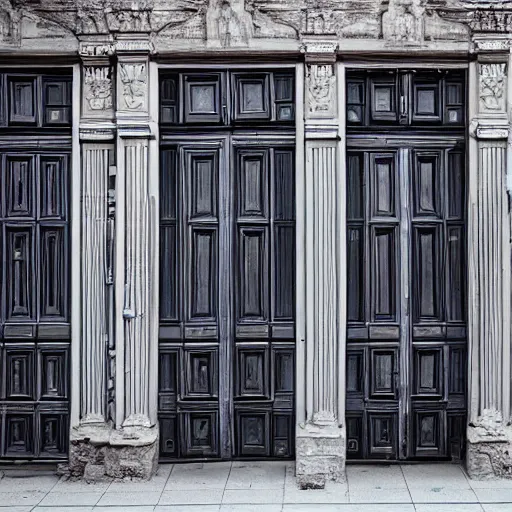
(319, 49)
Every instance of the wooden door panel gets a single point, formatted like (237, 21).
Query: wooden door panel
(406, 354)
(34, 317)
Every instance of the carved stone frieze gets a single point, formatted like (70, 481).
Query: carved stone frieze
(321, 83)
(97, 89)
(237, 23)
(134, 79)
(492, 87)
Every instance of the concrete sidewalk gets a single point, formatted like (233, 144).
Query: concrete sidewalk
(259, 486)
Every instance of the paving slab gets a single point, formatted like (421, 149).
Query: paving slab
(371, 477)
(17, 509)
(124, 509)
(187, 508)
(382, 495)
(372, 507)
(70, 499)
(447, 494)
(252, 496)
(497, 507)
(450, 507)
(197, 497)
(251, 508)
(62, 509)
(434, 475)
(494, 496)
(74, 486)
(129, 498)
(198, 476)
(43, 483)
(333, 493)
(23, 498)
(257, 475)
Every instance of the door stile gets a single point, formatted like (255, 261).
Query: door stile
(404, 373)
(226, 298)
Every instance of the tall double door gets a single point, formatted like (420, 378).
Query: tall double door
(406, 248)
(227, 239)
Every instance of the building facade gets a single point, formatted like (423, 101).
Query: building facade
(236, 229)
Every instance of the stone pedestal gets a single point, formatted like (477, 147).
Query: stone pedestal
(489, 436)
(320, 440)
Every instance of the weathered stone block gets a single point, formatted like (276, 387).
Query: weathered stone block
(489, 456)
(320, 456)
(98, 452)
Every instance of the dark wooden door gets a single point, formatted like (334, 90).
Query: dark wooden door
(35, 144)
(227, 272)
(406, 210)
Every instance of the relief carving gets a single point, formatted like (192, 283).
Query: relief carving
(321, 82)
(134, 84)
(228, 23)
(10, 22)
(403, 21)
(98, 88)
(231, 23)
(492, 87)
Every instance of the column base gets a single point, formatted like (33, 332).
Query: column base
(320, 455)
(489, 452)
(97, 452)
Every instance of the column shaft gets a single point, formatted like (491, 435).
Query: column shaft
(489, 286)
(137, 284)
(95, 171)
(321, 238)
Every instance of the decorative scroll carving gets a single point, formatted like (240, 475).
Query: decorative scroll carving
(134, 81)
(97, 88)
(321, 82)
(492, 86)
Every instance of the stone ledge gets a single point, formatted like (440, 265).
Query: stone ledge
(320, 455)
(98, 452)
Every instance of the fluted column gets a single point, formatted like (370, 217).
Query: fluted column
(95, 171)
(93, 338)
(489, 275)
(96, 148)
(321, 259)
(137, 246)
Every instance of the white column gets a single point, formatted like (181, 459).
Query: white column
(137, 284)
(137, 245)
(489, 286)
(321, 237)
(95, 144)
(94, 271)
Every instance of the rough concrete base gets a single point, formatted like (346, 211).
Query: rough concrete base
(98, 452)
(320, 455)
(489, 447)
(489, 453)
